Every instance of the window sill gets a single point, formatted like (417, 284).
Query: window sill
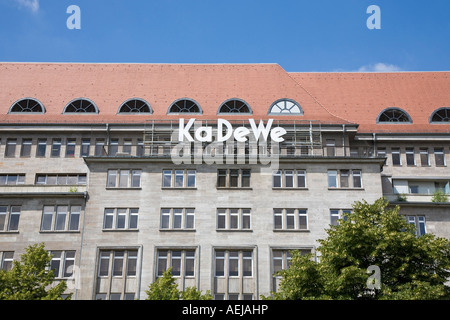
(59, 231)
(177, 230)
(234, 188)
(10, 232)
(347, 189)
(287, 188)
(179, 188)
(120, 230)
(234, 230)
(131, 188)
(292, 230)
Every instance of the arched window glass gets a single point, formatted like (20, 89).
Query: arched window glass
(135, 106)
(185, 106)
(234, 106)
(27, 105)
(394, 115)
(441, 115)
(81, 106)
(285, 107)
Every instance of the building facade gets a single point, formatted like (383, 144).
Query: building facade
(88, 167)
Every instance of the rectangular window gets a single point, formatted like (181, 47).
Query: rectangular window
(233, 178)
(396, 160)
(9, 218)
(222, 178)
(281, 259)
(342, 179)
(276, 179)
(14, 217)
(357, 183)
(302, 219)
(124, 263)
(61, 179)
(301, 178)
(7, 258)
(60, 218)
(182, 262)
(99, 148)
(289, 179)
(132, 263)
(239, 263)
(336, 214)
(419, 224)
(233, 263)
(233, 219)
(10, 150)
(3, 217)
(167, 178)
(56, 148)
(410, 157)
(177, 219)
(70, 147)
(26, 147)
(381, 152)
(62, 263)
(344, 176)
(41, 148)
(121, 218)
(331, 147)
(12, 179)
(245, 183)
(332, 179)
(118, 261)
(424, 157)
(439, 157)
(127, 144)
(74, 218)
(179, 178)
(290, 219)
(103, 266)
(278, 218)
(219, 263)
(334, 217)
(113, 147)
(123, 178)
(85, 147)
(140, 148)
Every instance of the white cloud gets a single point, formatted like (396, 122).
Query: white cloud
(379, 67)
(32, 5)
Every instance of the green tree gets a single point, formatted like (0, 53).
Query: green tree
(439, 196)
(165, 288)
(410, 267)
(31, 277)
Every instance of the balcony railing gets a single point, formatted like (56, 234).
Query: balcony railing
(283, 150)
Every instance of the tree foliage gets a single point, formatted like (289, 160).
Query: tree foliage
(410, 267)
(31, 277)
(166, 288)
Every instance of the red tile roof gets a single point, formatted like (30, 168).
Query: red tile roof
(332, 98)
(361, 97)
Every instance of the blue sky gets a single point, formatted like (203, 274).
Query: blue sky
(320, 35)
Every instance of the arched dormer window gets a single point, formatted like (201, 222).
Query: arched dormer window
(394, 115)
(135, 106)
(234, 106)
(440, 115)
(184, 106)
(27, 105)
(81, 105)
(285, 107)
